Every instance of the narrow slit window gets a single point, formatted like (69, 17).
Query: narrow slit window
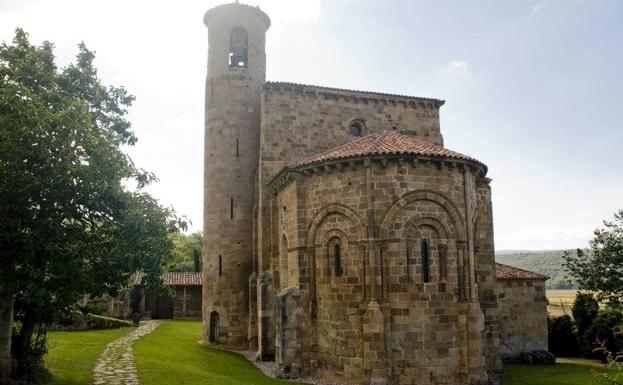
(338, 259)
(425, 261)
(231, 208)
(237, 149)
(220, 265)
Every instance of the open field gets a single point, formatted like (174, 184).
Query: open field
(560, 301)
(172, 355)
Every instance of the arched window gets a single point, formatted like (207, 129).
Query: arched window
(425, 253)
(238, 48)
(334, 253)
(337, 254)
(355, 128)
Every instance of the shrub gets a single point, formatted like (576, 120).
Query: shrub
(562, 340)
(585, 309)
(603, 330)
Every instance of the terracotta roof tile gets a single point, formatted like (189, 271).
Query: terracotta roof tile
(505, 272)
(384, 143)
(175, 279)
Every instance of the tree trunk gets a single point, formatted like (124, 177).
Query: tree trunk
(6, 328)
(24, 341)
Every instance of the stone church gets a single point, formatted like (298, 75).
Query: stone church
(342, 239)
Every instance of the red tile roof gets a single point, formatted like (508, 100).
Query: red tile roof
(385, 143)
(505, 272)
(175, 279)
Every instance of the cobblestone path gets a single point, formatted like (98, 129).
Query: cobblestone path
(116, 363)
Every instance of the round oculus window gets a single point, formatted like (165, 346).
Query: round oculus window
(356, 129)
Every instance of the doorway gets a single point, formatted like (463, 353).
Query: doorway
(214, 327)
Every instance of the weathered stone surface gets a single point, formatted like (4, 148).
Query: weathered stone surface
(379, 317)
(523, 317)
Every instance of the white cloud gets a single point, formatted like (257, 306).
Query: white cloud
(536, 8)
(460, 65)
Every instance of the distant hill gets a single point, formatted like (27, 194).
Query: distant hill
(548, 262)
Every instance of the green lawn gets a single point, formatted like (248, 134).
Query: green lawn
(172, 355)
(72, 355)
(567, 371)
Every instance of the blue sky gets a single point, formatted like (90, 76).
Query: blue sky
(532, 88)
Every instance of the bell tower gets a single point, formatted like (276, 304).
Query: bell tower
(236, 74)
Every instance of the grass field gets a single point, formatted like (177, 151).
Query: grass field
(72, 355)
(172, 355)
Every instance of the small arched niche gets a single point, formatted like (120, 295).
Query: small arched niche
(283, 262)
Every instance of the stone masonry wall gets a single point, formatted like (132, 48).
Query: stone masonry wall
(523, 316)
(485, 274)
(299, 121)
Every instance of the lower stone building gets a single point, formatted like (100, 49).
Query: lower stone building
(522, 312)
(183, 301)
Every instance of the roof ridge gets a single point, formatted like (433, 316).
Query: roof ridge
(438, 102)
(522, 270)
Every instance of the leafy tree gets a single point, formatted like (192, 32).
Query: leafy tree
(600, 268)
(585, 308)
(69, 223)
(187, 253)
(562, 340)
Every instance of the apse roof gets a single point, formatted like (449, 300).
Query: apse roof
(384, 143)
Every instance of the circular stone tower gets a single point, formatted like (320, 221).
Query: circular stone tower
(236, 73)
